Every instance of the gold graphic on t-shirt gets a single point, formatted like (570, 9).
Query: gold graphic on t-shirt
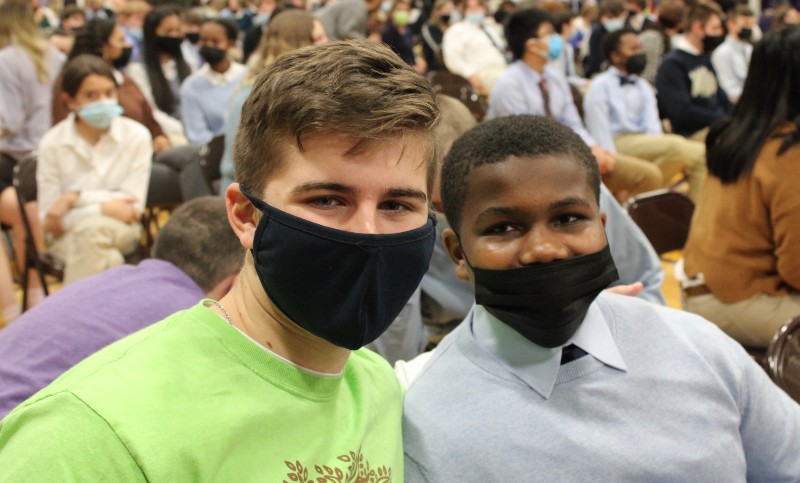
(704, 84)
(358, 471)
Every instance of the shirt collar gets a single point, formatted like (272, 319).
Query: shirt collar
(682, 44)
(538, 366)
(217, 78)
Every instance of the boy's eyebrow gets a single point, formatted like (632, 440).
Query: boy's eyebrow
(344, 189)
(322, 185)
(498, 211)
(406, 193)
(509, 210)
(572, 200)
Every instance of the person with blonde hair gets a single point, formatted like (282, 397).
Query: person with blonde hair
(291, 30)
(28, 68)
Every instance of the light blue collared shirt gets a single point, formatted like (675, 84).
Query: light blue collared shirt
(611, 109)
(517, 92)
(538, 366)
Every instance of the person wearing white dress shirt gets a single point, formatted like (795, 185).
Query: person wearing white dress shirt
(732, 59)
(474, 48)
(92, 174)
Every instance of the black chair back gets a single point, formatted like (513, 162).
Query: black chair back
(210, 160)
(454, 85)
(664, 216)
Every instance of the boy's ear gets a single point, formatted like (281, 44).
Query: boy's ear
(453, 246)
(603, 218)
(242, 215)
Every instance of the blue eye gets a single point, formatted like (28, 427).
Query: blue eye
(325, 202)
(394, 206)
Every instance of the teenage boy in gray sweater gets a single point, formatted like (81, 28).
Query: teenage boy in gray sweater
(547, 381)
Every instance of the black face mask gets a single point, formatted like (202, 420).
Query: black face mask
(446, 19)
(346, 288)
(545, 302)
(746, 34)
(212, 55)
(123, 59)
(711, 42)
(168, 45)
(193, 37)
(635, 64)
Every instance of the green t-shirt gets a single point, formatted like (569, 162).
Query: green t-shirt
(192, 399)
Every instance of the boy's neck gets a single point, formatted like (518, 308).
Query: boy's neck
(534, 61)
(252, 312)
(89, 133)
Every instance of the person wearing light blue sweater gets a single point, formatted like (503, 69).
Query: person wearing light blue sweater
(547, 381)
(206, 93)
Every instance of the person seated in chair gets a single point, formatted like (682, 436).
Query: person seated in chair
(92, 174)
(549, 377)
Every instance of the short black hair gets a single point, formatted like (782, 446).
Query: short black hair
(231, 29)
(612, 40)
(522, 26)
(560, 18)
(495, 141)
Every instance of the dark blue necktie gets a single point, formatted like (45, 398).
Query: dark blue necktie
(571, 353)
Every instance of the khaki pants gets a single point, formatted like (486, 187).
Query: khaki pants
(631, 176)
(753, 321)
(672, 154)
(95, 244)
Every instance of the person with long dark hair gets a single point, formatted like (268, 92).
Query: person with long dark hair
(162, 69)
(743, 252)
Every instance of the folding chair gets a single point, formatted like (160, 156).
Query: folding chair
(454, 85)
(664, 216)
(25, 187)
(783, 358)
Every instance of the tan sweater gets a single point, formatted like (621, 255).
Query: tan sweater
(745, 236)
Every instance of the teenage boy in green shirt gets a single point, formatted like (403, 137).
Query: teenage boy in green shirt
(268, 384)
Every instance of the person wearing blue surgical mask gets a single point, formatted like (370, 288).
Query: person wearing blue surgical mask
(613, 17)
(92, 174)
(532, 86)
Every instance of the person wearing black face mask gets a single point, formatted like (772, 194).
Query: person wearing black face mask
(688, 91)
(432, 33)
(732, 59)
(206, 93)
(549, 377)
(621, 114)
(333, 211)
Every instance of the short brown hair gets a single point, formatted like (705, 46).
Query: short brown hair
(701, 12)
(358, 88)
(198, 239)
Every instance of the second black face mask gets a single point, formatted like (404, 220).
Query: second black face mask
(545, 302)
(636, 64)
(123, 59)
(212, 55)
(168, 45)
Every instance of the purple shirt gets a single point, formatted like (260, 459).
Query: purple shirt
(84, 317)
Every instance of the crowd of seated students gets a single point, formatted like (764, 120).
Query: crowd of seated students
(119, 104)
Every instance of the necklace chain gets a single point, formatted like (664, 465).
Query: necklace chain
(224, 312)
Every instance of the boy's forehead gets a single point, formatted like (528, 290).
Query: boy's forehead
(533, 177)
